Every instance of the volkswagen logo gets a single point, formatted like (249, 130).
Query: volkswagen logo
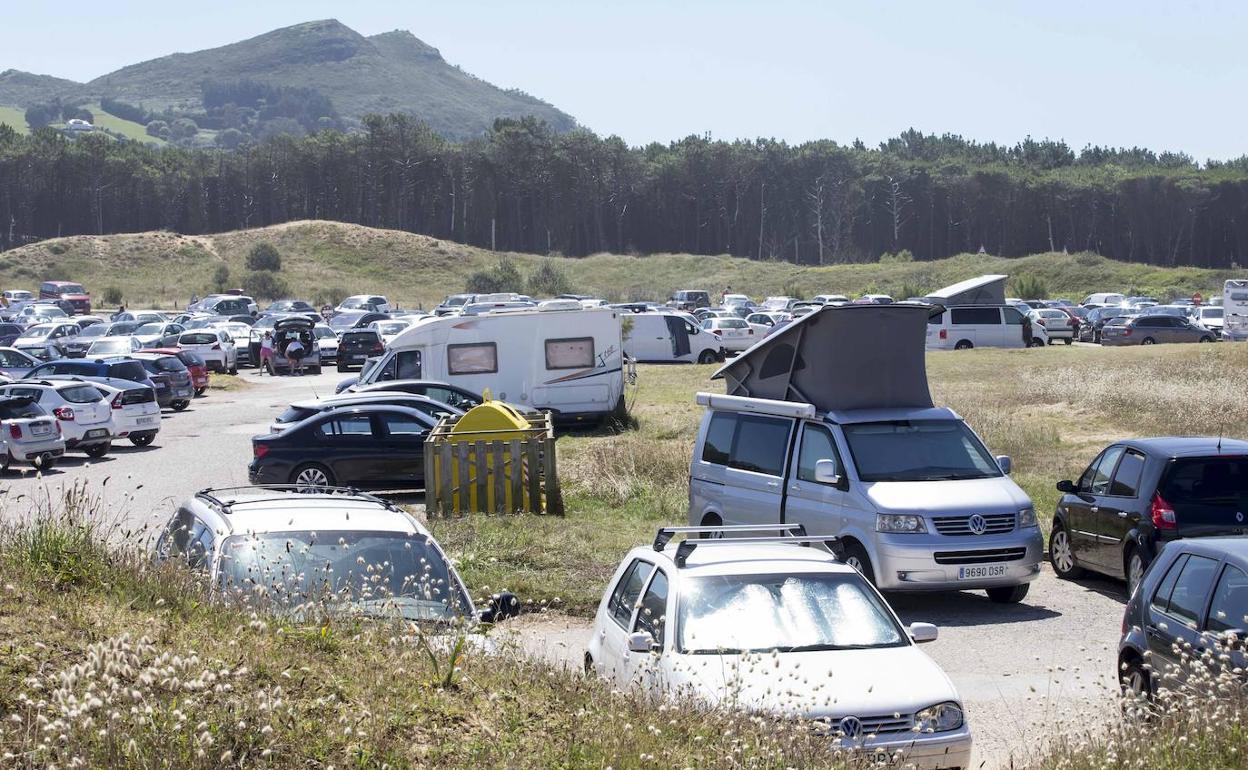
(976, 524)
(851, 728)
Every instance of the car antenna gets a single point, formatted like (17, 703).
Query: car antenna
(1220, 429)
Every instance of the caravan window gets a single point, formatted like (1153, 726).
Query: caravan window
(475, 358)
(570, 353)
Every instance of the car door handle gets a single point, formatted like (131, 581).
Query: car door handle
(795, 487)
(773, 483)
(1122, 514)
(1095, 509)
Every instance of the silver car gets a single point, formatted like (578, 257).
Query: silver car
(29, 434)
(1154, 329)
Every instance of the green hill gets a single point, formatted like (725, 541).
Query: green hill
(327, 260)
(12, 116)
(390, 72)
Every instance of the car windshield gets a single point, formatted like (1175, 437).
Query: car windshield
(35, 333)
(378, 573)
(152, 327)
(110, 345)
(391, 328)
(1211, 312)
(786, 613)
(189, 358)
(323, 332)
(72, 288)
(94, 330)
(355, 302)
(456, 300)
(198, 338)
(918, 450)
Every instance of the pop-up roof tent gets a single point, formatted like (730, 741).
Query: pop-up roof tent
(839, 358)
(984, 290)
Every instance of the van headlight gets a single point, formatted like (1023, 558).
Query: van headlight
(1026, 517)
(904, 523)
(939, 718)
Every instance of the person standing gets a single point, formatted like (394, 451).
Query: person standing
(266, 353)
(294, 354)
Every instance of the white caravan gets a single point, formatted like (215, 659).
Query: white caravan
(568, 362)
(1235, 310)
(669, 338)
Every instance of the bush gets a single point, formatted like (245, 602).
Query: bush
(902, 256)
(158, 128)
(549, 280)
(504, 276)
(264, 285)
(183, 128)
(264, 256)
(330, 295)
(112, 295)
(910, 290)
(1029, 287)
(220, 278)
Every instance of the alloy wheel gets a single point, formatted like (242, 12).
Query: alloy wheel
(1135, 572)
(1063, 556)
(311, 479)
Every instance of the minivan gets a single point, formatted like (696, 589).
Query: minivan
(690, 300)
(1103, 298)
(73, 293)
(829, 423)
(668, 338)
(979, 326)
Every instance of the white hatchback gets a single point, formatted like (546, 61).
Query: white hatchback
(763, 625)
(734, 334)
(85, 417)
(215, 346)
(136, 412)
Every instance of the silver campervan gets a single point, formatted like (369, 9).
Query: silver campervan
(829, 423)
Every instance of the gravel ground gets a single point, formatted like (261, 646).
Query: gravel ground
(1022, 670)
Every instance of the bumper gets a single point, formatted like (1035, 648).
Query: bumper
(27, 451)
(909, 562)
(352, 359)
(147, 423)
(90, 437)
(265, 473)
(919, 751)
(183, 391)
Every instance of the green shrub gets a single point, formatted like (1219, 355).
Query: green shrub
(264, 285)
(902, 256)
(112, 295)
(57, 248)
(504, 276)
(264, 256)
(221, 278)
(1029, 287)
(548, 280)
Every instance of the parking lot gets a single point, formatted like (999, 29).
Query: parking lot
(1022, 669)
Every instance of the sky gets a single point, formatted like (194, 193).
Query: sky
(1162, 75)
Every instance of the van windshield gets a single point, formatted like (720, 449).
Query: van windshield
(918, 450)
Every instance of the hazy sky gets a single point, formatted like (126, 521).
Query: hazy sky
(1166, 75)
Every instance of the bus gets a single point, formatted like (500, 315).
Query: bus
(1235, 310)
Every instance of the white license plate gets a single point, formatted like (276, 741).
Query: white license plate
(146, 421)
(97, 433)
(40, 430)
(981, 571)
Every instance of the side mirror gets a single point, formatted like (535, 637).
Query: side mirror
(502, 606)
(826, 472)
(642, 641)
(922, 633)
(1067, 486)
(1005, 464)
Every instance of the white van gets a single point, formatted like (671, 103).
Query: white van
(669, 338)
(567, 362)
(829, 423)
(1104, 298)
(980, 326)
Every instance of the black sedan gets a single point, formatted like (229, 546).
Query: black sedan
(361, 446)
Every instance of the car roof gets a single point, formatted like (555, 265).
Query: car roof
(851, 416)
(52, 383)
(1189, 446)
(1234, 547)
(745, 559)
(257, 510)
(364, 399)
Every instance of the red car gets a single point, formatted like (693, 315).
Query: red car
(67, 291)
(194, 364)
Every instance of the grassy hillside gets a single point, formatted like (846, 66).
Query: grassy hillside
(12, 116)
(327, 260)
(126, 128)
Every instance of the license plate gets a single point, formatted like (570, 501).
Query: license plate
(97, 433)
(182, 392)
(981, 571)
(146, 421)
(881, 758)
(40, 430)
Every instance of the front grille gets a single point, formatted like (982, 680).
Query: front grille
(986, 556)
(889, 724)
(994, 524)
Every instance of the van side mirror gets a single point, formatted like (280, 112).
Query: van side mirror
(642, 641)
(1067, 486)
(922, 633)
(826, 472)
(1005, 464)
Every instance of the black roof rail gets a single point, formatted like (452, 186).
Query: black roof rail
(665, 534)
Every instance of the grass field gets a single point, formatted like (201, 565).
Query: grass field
(126, 128)
(14, 117)
(324, 261)
(1050, 409)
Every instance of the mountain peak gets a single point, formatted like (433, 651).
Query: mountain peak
(401, 44)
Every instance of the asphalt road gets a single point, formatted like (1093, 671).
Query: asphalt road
(1023, 670)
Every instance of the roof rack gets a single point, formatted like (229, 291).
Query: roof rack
(686, 547)
(211, 495)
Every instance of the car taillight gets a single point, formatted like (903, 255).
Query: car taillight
(259, 450)
(63, 413)
(1162, 513)
(15, 430)
(117, 403)
(1126, 332)
(944, 334)
(378, 347)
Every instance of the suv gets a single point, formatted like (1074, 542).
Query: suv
(171, 376)
(1190, 612)
(1139, 495)
(84, 415)
(356, 345)
(30, 434)
(690, 300)
(735, 620)
(377, 562)
(68, 292)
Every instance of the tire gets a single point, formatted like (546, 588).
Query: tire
(1036, 342)
(234, 368)
(180, 404)
(343, 369)
(1008, 594)
(856, 556)
(1133, 567)
(589, 665)
(1206, 339)
(311, 477)
(200, 391)
(5, 461)
(963, 345)
(1148, 341)
(1062, 554)
(707, 357)
(711, 520)
(47, 463)
(97, 450)
(144, 440)
(1135, 680)
(1070, 340)
(315, 369)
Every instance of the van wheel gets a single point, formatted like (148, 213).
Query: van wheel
(707, 357)
(963, 345)
(856, 557)
(1036, 342)
(1148, 341)
(1008, 594)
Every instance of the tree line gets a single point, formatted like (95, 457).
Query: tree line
(523, 187)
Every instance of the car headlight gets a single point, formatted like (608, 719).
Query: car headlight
(939, 718)
(899, 522)
(1026, 517)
